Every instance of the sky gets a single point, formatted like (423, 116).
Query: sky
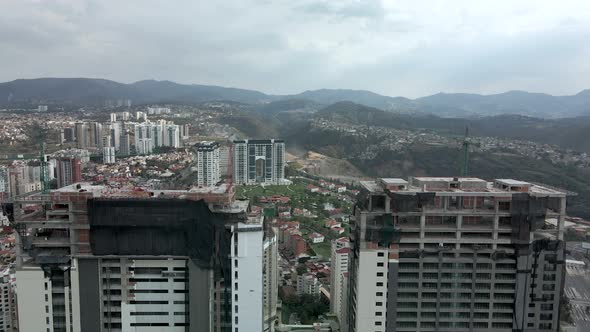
(405, 48)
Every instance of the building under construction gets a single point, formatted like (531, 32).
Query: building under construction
(456, 254)
(99, 258)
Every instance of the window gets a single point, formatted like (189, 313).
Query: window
(380, 264)
(380, 274)
(380, 254)
(379, 304)
(378, 313)
(379, 284)
(379, 294)
(378, 323)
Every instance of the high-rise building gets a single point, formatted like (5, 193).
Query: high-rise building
(339, 266)
(4, 181)
(125, 144)
(140, 116)
(108, 155)
(144, 138)
(42, 108)
(8, 320)
(224, 161)
(113, 117)
(149, 135)
(115, 130)
(69, 171)
(102, 259)
(456, 254)
(171, 135)
(259, 161)
(69, 135)
(270, 277)
(81, 134)
(207, 163)
(125, 116)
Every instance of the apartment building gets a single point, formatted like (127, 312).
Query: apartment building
(259, 161)
(8, 320)
(69, 171)
(456, 254)
(151, 135)
(99, 258)
(208, 173)
(339, 266)
(270, 277)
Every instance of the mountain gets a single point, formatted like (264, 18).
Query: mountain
(88, 91)
(367, 98)
(511, 102)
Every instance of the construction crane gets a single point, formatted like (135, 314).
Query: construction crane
(465, 161)
(42, 157)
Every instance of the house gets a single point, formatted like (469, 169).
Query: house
(341, 189)
(331, 223)
(311, 188)
(316, 238)
(338, 230)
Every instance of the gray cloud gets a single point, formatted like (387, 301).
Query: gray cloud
(404, 47)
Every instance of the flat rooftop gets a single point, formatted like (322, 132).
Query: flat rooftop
(461, 185)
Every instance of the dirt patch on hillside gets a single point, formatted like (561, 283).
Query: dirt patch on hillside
(321, 165)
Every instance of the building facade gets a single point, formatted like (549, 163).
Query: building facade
(338, 265)
(259, 161)
(151, 135)
(208, 173)
(270, 277)
(8, 319)
(69, 170)
(456, 254)
(108, 155)
(105, 259)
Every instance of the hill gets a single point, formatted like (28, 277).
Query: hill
(88, 91)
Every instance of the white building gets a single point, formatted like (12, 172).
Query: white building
(259, 161)
(108, 155)
(4, 180)
(140, 116)
(113, 117)
(8, 320)
(309, 284)
(208, 173)
(42, 108)
(125, 116)
(339, 265)
(270, 278)
(158, 110)
(149, 135)
(316, 238)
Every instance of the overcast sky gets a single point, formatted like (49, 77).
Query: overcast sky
(394, 47)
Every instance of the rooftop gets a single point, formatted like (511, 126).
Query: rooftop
(464, 185)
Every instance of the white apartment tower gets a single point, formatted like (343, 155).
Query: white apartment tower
(270, 277)
(259, 161)
(207, 163)
(338, 266)
(8, 320)
(456, 254)
(108, 155)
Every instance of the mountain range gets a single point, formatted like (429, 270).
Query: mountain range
(89, 91)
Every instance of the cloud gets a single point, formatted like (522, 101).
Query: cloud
(403, 47)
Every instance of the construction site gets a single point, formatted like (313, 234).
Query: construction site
(456, 254)
(131, 257)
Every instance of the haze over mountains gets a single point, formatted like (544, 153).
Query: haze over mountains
(86, 91)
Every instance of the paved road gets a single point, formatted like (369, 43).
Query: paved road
(577, 290)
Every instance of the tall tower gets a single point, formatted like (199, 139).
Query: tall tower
(456, 254)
